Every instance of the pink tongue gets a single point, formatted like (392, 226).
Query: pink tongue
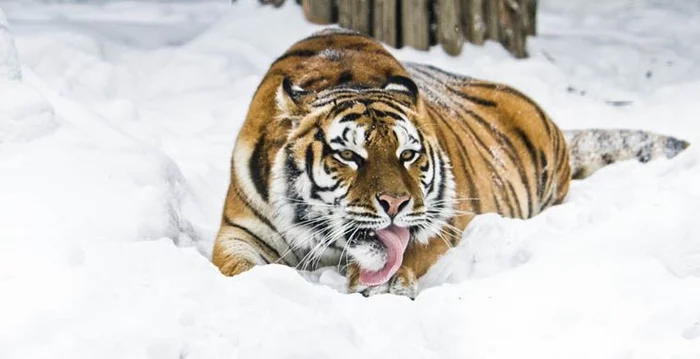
(395, 239)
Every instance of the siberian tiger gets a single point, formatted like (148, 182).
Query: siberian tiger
(349, 157)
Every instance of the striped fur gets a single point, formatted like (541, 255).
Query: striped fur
(337, 121)
(593, 149)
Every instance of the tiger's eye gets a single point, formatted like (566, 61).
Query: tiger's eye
(408, 155)
(347, 155)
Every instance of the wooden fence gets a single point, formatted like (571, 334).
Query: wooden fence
(422, 23)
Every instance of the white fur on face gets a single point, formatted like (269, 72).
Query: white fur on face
(408, 137)
(352, 135)
(315, 222)
(368, 256)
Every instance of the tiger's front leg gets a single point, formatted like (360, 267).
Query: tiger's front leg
(234, 251)
(417, 260)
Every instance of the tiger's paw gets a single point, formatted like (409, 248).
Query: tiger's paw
(232, 265)
(403, 283)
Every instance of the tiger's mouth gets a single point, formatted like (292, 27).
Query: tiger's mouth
(379, 259)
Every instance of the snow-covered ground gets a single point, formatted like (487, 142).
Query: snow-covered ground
(117, 121)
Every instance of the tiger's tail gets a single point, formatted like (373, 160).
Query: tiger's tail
(590, 150)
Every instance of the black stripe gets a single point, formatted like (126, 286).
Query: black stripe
(518, 205)
(466, 162)
(296, 53)
(391, 103)
(443, 185)
(247, 203)
(338, 140)
(485, 154)
(556, 155)
(548, 201)
(310, 82)
(376, 96)
(462, 78)
(477, 100)
(266, 246)
(315, 188)
(292, 173)
(532, 152)
(350, 117)
(259, 168)
(255, 211)
(341, 107)
(520, 95)
(509, 203)
(499, 208)
(431, 157)
(544, 183)
(562, 152)
(480, 101)
(388, 114)
(345, 76)
(346, 130)
(306, 131)
(426, 167)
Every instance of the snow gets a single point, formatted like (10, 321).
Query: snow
(115, 143)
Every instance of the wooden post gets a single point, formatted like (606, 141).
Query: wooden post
(493, 19)
(473, 23)
(415, 25)
(385, 26)
(422, 23)
(318, 11)
(512, 31)
(354, 14)
(530, 17)
(449, 28)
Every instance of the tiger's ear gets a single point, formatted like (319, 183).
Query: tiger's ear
(402, 84)
(292, 100)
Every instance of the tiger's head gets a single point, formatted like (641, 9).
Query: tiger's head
(361, 175)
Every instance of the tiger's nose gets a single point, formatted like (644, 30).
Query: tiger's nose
(392, 204)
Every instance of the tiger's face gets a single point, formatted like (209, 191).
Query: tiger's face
(360, 177)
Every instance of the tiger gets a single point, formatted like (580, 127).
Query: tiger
(351, 158)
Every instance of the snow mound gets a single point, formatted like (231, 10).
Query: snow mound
(9, 65)
(27, 116)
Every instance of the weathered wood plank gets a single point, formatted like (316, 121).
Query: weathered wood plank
(318, 11)
(473, 22)
(493, 19)
(512, 31)
(449, 28)
(385, 24)
(415, 26)
(531, 17)
(354, 14)
(422, 23)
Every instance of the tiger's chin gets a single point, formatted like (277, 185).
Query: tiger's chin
(379, 254)
(369, 255)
